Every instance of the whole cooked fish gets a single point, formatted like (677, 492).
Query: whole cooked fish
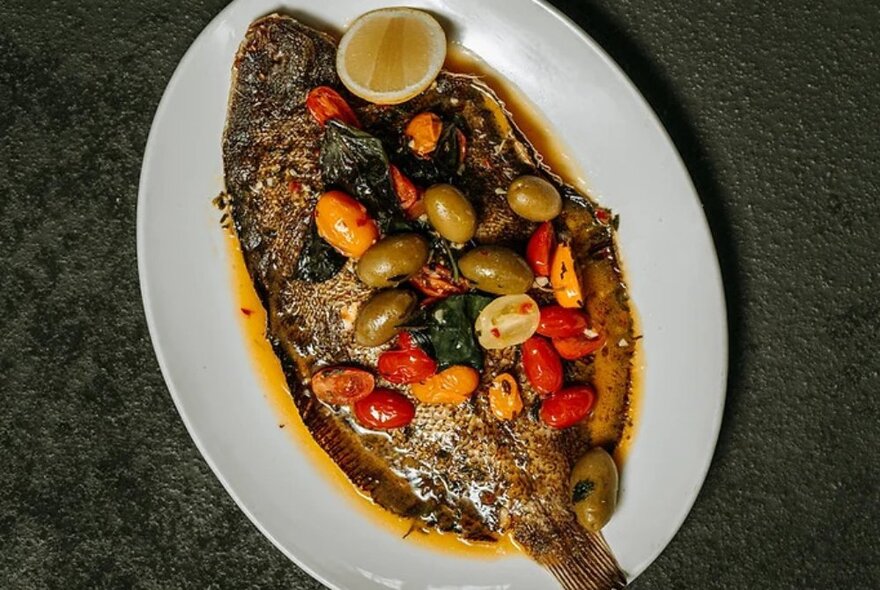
(456, 468)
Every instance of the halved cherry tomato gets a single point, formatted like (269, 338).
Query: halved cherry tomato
(345, 224)
(507, 321)
(568, 406)
(452, 386)
(408, 194)
(384, 409)
(423, 133)
(436, 281)
(504, 398)
(325, 104)
(564, 278)
(575, 347)
(542, 365)
(562, 322)
(407, 364)
(540, 249)
(342, 385)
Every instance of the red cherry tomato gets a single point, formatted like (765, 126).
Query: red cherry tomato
(579, 346)
(342, 385)
(325, 104)
(408, 194)
(435, 281)
(542, 365)
(568, 406)
(540, 248)
(405, 341)
(562, 322)
(406, 366)
(384, 410)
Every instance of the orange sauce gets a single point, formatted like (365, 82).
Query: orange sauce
(527, 117)
(253, 321)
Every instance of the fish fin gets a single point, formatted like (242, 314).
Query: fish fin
(584, 560)
(371, 474)
(361, 467)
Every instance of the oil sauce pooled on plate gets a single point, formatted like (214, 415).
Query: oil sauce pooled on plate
(529, 120)
(253, 320)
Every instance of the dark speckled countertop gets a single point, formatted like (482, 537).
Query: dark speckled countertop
(774, 107)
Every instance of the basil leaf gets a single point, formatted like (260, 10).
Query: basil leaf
(355, 161)
(318, 261)
(443, 166)
(447, 155)
(421, 338)
(451, 330)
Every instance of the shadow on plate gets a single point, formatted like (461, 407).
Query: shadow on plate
(661, 95)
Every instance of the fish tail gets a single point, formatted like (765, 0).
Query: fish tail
(585, 561)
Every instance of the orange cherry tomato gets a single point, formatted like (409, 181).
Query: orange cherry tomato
(384, 409)
(407, 364)
(325, 104)
(345, 224)
(564, 278)
(504, 398)
(540, 249)
(408, 194)
(452, 386)
(575, 347)
(568, 406)
(542, 365)
(342, 385)
(423, 133)
(562, 322)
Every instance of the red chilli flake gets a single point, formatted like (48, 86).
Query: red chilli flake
(525, 308)
(246, 311)
(294, 187)
(462, 146)
(496, 332)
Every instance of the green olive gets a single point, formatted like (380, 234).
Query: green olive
(497, 270)
(391, 261)
(594, 489)
(380, 318)
(533, 198)
(450, 213)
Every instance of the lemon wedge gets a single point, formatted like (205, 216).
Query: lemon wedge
(390, 55)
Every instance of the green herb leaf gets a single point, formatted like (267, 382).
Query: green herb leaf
(447, 156)
(318, 261)
(582, 490)
(444, 164)
(355, 161)
(420, 337)
(451, 330)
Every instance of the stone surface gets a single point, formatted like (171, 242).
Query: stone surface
(773, 106)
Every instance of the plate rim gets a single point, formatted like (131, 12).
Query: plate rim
(631, 89)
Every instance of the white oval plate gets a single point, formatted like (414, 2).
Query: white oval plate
(631, 165)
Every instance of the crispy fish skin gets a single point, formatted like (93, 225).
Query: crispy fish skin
(455, 467)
